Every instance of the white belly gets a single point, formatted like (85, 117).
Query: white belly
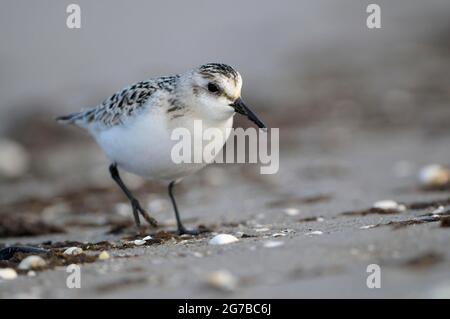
(144, 147)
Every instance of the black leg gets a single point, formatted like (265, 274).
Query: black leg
(137, 209)
(181, 229)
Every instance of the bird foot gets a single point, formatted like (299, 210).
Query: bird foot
(138, 208)
(184, 231)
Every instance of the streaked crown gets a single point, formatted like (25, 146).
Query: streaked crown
(211, 70)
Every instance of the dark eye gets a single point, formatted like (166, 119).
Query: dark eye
(213, 88)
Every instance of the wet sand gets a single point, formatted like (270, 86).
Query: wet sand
(327, 183)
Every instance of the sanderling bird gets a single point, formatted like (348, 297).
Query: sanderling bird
(133, 127)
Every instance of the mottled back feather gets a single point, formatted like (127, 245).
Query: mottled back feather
(133, 99)
(123, 104)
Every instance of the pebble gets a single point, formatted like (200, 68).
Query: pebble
(291, 211)
(223, 239)
(73, 251)
(239, 234)
(389, 205)
(222, 280)
(8, 274)
(103, 255)
(14, 159)
(273, 243)
(32, 262)
(434, 175)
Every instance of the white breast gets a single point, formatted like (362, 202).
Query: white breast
(143, 145)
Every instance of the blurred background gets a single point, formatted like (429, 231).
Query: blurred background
(305, 65)
(312, 66)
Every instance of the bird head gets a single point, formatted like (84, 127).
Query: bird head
(214, 89)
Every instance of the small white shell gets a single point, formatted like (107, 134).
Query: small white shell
(273, 243)
(8, 274)
(316, 232)
(147, 238)
(279, 235)
(32, 262)
(389, 205)
(434, 175)
(14, 159)
(262, 229)
(223, 239)
(138, 242)
(197, 254)
(291, 211)
(222, 280)
(73, 251)
(103, 255)
(438, 210)
(367, 227)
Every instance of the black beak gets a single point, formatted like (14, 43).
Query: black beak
(243, 109)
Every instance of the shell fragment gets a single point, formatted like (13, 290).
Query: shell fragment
(223, 239)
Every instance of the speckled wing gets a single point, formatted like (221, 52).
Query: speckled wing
(122, 105)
